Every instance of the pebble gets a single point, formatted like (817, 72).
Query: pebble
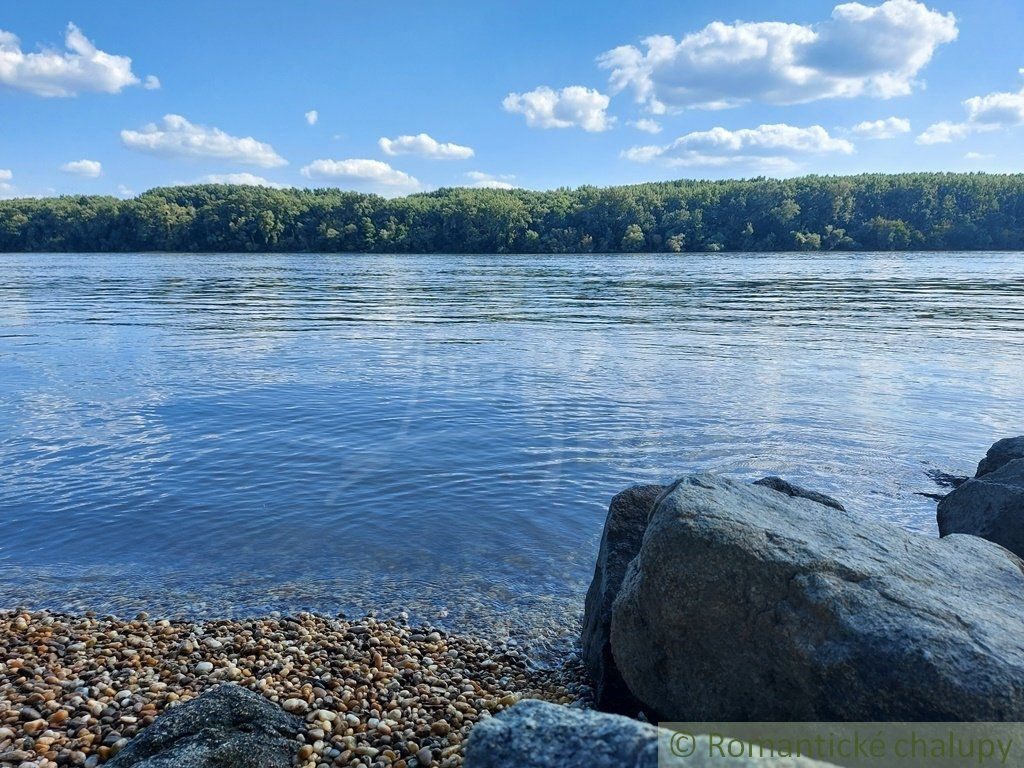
(371, 692)
(295, 705)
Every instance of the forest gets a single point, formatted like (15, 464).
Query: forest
(918, 211)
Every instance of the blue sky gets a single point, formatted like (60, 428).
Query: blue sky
(117, 97)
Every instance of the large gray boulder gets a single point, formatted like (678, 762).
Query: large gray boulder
(1001, 453)
(990, 506)
(623, 532)
(536, 734)
(226, 727)
(747, 605)
(786, 487)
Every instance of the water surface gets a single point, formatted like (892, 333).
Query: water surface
(246, 433)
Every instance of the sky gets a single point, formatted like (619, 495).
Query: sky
(117, 97)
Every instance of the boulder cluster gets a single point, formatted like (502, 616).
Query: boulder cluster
(715, 600)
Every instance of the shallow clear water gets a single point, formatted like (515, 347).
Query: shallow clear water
(246, 433)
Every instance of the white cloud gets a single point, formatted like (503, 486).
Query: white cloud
(151, 83)
(860, 51)
(123, 191)
(5, 174)
(977, 156)
(361, 173)
(887, 128)
(312, 116)
(574, 106)
(89, 169)
(5, 177)
(771, 147)
(425, 146)
(177, 137)
(992, 112)
(483, 180)
(246, 178)
(50, 72)
(1002, 110)
(646, 125)
(944, 132)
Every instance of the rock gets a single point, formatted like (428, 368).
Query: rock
(623, 532)
(204, 668)
(786, 487)
(746, 605)
(226, 727)
(1002, 452)
(536, 734)
(990, 506)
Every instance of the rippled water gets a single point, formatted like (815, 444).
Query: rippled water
(246, 433)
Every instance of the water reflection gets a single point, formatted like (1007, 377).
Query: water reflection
(248, 432)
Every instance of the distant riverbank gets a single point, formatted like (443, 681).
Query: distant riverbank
(871, 212)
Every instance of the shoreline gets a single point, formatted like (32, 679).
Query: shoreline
(75, 688)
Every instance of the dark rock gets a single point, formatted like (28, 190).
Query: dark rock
(536, 734)
(623, 532)
(1002, 452)
(226, 727)
(990, 506)
(747, 605)
(795, 491)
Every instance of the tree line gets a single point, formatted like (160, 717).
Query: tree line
(914, 211)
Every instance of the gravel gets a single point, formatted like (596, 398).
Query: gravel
(75, 689)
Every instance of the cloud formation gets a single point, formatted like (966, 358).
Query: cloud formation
(887, 128)
(424, 146)
(245, 178)
(574, 106)
(769, 147)
(89, 169)
(646, 125)
(312, 116)
(362, 173)
(860, 51)
(81, 67)
(944, 132)
(992, 112)
(177, 137)
(483, 180)
(5, 178)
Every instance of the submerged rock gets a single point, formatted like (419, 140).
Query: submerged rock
(623, 533)
(226, 727)
(990, 506)
(786, 487)
(744, 604)
(1001, 453)
(535, 734)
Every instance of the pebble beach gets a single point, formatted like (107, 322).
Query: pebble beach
(75, 688)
